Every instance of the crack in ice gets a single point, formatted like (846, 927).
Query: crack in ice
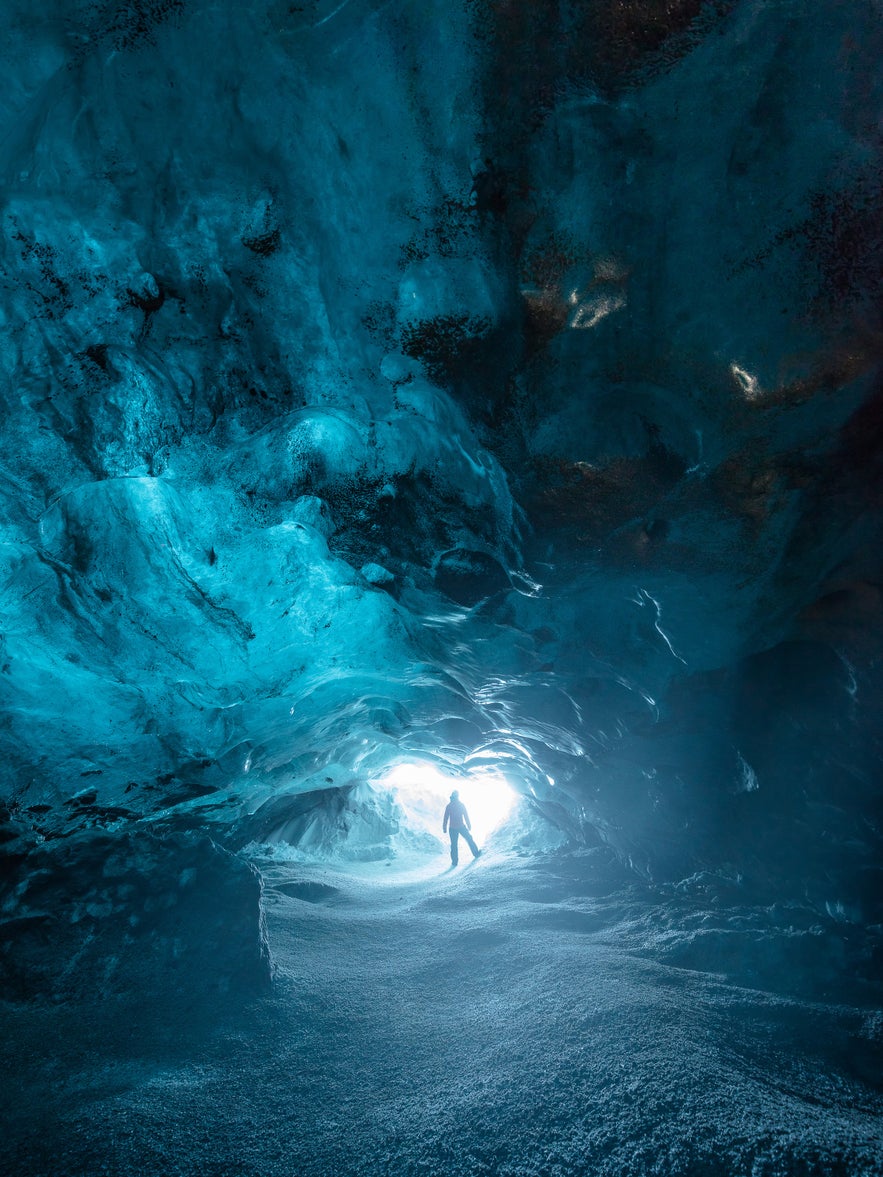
(643, 598)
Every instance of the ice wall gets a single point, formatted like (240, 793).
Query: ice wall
(496, 384)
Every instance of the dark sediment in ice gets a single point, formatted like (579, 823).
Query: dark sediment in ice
(479, 386)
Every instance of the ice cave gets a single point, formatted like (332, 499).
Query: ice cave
(404, 398)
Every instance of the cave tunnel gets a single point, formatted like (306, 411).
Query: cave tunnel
(410, 397)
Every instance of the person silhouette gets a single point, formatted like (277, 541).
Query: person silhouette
(458, 819)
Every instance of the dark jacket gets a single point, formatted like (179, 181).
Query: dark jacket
(458, 817)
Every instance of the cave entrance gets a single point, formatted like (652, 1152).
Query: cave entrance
(421, 791)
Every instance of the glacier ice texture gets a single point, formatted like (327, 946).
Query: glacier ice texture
(493, 388)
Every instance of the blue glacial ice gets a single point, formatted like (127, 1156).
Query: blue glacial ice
(400, 396)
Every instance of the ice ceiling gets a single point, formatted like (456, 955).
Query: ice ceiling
(492, 386)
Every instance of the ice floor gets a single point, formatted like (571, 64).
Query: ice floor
(515, 1017)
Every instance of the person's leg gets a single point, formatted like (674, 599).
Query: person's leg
(454, 835)
(470, 842)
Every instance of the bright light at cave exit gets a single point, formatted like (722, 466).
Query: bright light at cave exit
(423, 791)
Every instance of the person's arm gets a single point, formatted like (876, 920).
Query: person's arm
(466, 819)
(445, 822)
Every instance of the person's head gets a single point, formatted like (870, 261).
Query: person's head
(455, 796)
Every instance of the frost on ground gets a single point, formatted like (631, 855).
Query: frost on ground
(517, 1017)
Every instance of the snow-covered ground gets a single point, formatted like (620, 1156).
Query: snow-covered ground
(516, 1017)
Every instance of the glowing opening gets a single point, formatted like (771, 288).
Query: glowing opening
(422, 791)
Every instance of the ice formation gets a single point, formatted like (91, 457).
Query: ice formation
(491, 388)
